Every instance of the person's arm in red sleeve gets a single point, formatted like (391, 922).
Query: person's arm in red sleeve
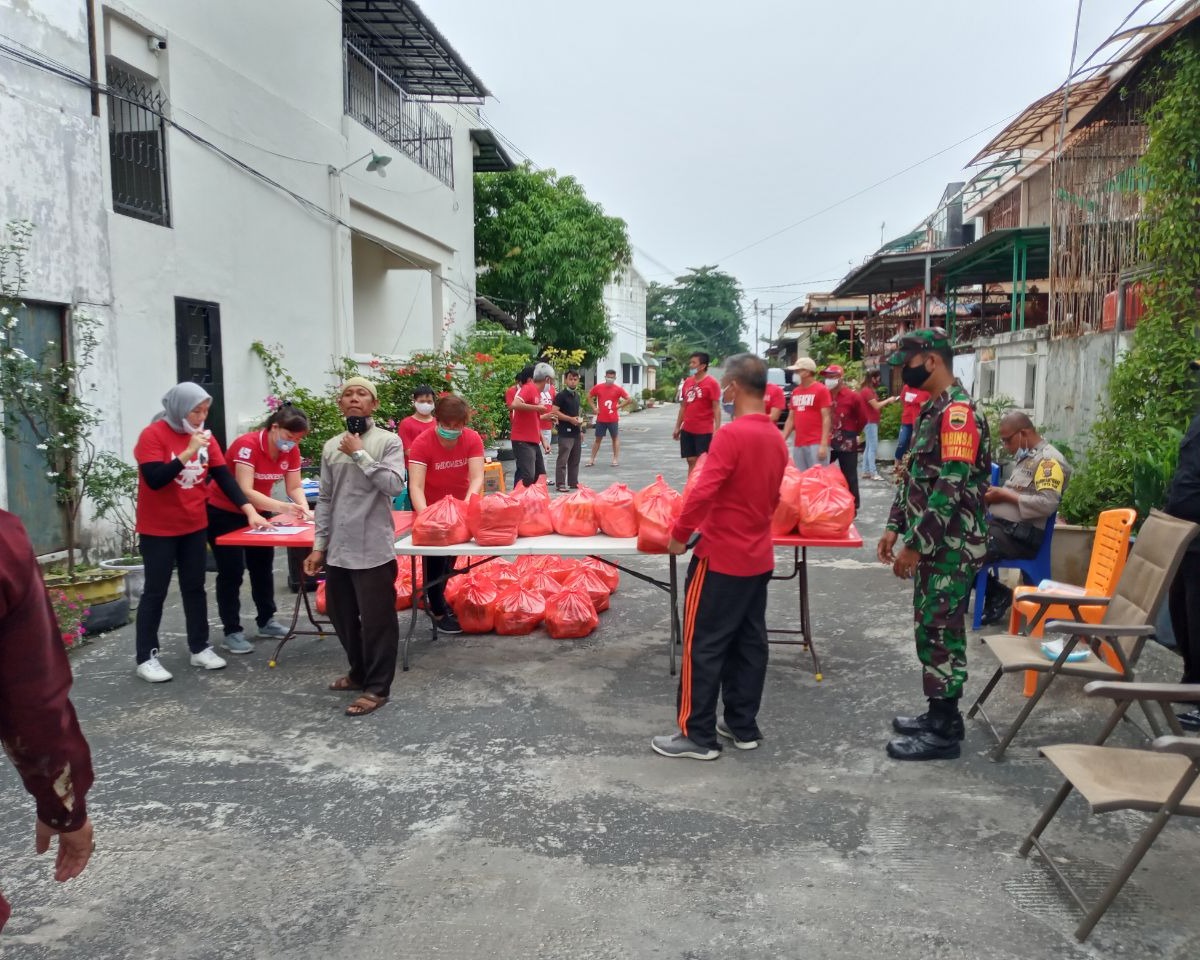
(719, 465)
(37, 722)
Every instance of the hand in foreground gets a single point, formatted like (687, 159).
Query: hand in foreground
(74, 848)
(675, 547)
(196, 442)
(906, 563)
(297, 510)
(823, 452)
(258, 521)
(883, 550)
(350, 443)
(676, 433)
(314, 562)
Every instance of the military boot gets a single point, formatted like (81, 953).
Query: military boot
(936, 738)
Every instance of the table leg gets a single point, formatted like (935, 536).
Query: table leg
(412, 623)
(676, 632)
(296, 568)
(806, 613)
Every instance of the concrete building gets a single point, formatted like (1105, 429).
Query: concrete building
(293, 173)
(625, 303)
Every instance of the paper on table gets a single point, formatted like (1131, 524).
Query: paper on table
(281, 531)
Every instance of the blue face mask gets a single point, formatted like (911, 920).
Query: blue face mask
(447, 434)
(285, 445)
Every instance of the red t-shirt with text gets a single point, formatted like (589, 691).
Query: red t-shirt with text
(913, 400)
(252, 449)
(607, 398)
(527, 424)
(698, 399)
(446, 473)
(807, 404)
(181, 507)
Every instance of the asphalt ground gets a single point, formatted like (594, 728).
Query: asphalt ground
(506, 803)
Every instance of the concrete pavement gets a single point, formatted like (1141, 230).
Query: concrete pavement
(506, 802)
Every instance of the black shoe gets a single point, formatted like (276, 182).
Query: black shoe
(994, 613)
(926, 745)
(1189, 720)
(448, 623)
(911, 726)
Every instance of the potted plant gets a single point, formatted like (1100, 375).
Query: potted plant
(112, 487)
(42, 393)
(889, 432)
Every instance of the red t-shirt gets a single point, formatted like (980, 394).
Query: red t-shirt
(807, 404)
(735, 496)
(868, 394)
(913, 401)
(698, 398)
(608, 397)
(252, 450)
(527, 424)
(446, 473)
(182, 505)
(774, 398)
(848, 412)
(411, 428)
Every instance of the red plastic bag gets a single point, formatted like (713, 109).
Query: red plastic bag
(539, 581)
(593, 584)
(322, 606)
(608, 573)
(442, 524)
(518, 611)
(658, 508)
(535, 505)
(826, 504)
(570, 614)
(494, 519)
(475, 605)
(787, 513)
(615, 513)
(404, 587)
(455, 586)
(574, 515)
(563, 568)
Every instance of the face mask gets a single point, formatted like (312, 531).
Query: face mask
(610, 380)
(831, 383)
(424, 409)
(285, 445)
(447, 434)
(915, 377)
(1022, 453)
(356, 425)
(187, 425)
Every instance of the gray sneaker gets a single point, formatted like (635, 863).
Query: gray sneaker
(237, 643)
(680, 746)
(274, 629)
(724, 731)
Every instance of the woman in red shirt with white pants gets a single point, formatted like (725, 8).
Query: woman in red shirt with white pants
(176, 457)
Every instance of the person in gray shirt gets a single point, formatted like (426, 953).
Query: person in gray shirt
(361, 471)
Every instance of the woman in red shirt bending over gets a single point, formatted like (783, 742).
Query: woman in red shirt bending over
(260, 460)
(175, 457)
(444, 462)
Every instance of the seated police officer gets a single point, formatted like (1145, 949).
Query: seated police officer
(1018, 510)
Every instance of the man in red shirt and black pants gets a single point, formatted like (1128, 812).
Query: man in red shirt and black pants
(849, 419)
(725, 606)
(699, 411)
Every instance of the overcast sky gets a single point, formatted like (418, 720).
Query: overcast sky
(708, 126)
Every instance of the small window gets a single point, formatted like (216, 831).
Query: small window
(626, 375)
(1030, 383)
(637, 374)
(137, 147)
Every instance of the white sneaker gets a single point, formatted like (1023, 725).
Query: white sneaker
(152, 671)
(208, 659)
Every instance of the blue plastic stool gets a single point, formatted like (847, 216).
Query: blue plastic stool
(1033, 571)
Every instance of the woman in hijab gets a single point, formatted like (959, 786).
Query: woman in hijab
(176, 457)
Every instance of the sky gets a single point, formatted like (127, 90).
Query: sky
(710, 126)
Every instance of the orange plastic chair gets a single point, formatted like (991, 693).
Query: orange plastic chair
(1032, 608)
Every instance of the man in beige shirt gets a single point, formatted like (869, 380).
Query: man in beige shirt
(361, 471)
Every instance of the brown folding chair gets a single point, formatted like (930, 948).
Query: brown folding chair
(1160, 781)
(1126, 625)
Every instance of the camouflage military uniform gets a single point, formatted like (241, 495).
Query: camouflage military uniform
(939, 513)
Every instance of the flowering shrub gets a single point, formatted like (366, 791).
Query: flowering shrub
(71, 613)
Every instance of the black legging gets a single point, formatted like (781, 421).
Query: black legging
(436, 567)
(232, 563)
(161, 555)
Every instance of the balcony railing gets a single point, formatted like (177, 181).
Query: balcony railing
(377, 102)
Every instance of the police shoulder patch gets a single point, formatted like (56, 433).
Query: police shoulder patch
(1049, 476)
(959, 433)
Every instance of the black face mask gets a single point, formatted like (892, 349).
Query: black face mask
(356, 425)
(915, 377)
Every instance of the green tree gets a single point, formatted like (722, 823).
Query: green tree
(1151, 393)
(703, 309)
(545, 252)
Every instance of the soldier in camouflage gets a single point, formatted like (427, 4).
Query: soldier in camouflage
(939, 519)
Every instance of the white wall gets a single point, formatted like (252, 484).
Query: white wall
(625, 303)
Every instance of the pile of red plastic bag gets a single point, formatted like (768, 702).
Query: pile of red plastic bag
(815, 503)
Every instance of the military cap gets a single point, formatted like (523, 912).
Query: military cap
(920, 341)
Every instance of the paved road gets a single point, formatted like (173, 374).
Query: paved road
(506, 804)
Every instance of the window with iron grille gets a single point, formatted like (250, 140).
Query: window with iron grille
(137, 147)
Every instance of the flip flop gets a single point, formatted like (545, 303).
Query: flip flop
(367, 703)
(343, 684)
(616, 463)
(589, 464)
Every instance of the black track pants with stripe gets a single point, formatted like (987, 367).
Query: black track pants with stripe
(724, 652)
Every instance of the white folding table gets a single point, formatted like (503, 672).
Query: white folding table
(599, 547)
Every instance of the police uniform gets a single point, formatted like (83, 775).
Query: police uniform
(939, 513)
(1039, 478)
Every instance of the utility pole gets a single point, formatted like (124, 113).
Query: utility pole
(771, 328)
(756, 326)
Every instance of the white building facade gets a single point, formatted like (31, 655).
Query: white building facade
(625, 304)
(223, 187)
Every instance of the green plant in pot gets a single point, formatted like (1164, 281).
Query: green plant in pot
(112, 488)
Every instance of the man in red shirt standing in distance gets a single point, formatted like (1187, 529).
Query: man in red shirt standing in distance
(914, 399)
(810, 417)
(528, 411)
(775, 401)
(609, 399)
(725, 626)
(849, 418)
(699, 411)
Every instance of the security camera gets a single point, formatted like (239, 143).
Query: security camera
(156, 44)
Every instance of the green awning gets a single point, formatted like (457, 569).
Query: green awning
(631, 360)
(650, 361)
(992, 258)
